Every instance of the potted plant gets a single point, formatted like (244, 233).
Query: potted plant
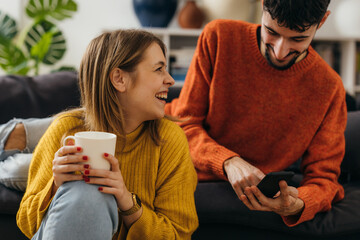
(42, 42)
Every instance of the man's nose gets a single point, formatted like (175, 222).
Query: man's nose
(281, 49)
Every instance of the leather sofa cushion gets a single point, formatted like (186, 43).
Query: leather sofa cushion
(40, 96)
(217, 203)
(350, 166)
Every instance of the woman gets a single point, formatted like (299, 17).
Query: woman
(149, 191)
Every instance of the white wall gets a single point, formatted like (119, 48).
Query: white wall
(329, 28)
(95, 16)
(92, 17)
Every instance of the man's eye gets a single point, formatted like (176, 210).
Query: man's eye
(298, 40)
(159, 69)
(271, 32)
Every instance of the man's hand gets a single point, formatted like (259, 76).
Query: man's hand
(241, 174)
(285, 203)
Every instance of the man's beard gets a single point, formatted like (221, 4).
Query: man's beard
(287, 66)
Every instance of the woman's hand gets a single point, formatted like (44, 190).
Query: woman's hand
(285, 203)
(112, 182)
(65, 163)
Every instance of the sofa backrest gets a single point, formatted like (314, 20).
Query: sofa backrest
(351, 163)
(40, 96)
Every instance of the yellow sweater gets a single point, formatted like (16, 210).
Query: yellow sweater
(162, 176)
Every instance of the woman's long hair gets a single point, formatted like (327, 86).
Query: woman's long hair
(122, 49)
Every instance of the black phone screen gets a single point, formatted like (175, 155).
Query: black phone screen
(269, 185)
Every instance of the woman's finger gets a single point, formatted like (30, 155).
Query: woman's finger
(68, 150)
(59, 179)
(69, 168)
(101, 181)
(70, 159)
(107, 190)
(102, 174)
(114, 162)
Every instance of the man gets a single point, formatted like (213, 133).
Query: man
(259, 98)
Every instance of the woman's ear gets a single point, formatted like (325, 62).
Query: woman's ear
(119, 79)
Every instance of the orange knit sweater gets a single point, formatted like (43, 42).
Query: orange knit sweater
(241, 106)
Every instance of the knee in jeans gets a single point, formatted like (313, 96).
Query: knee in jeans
(87, 197)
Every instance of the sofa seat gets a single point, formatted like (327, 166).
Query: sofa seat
(218, 206)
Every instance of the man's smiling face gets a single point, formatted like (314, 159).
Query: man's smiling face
(281, 46)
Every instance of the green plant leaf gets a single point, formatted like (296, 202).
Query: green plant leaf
(8, 27)
(12, 59)
(45, 43)
(51, 9)
(40, 49)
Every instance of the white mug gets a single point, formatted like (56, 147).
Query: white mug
(94, 145)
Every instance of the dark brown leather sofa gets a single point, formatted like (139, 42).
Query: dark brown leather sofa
(221, 214)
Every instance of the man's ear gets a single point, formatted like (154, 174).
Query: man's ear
(324, 19)
(119, 79)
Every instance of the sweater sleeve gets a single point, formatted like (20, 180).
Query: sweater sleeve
(321, 163)
(37, 197)
(174, 215)
(193, 104)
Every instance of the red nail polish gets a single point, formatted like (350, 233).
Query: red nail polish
(78, 149)
(86, 165)
(85, 157)
(87, 172)
(106, 154)
(100, 188)
(86, 179)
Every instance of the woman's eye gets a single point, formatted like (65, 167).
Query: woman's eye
(159, 69)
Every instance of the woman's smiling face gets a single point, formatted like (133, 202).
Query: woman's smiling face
(146, 93)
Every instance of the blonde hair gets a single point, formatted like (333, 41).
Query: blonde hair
(124, 49)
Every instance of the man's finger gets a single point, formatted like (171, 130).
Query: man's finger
(260, 196)
(253, 200)
(284, 192)
(237, 188)
(246, 202)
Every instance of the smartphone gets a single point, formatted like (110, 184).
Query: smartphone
(269, 185)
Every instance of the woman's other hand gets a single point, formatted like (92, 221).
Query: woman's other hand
(66, 163)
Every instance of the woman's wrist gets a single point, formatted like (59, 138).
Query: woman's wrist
(125, 202)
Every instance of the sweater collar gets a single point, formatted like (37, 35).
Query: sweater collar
(131, 140)
(301, 66)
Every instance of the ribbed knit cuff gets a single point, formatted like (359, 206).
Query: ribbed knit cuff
(141, 228)
(308, 212)
(220, 155)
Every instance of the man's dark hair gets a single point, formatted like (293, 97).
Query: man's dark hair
(298, 15)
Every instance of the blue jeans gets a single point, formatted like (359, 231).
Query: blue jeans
(14, 163)
(79, 211)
